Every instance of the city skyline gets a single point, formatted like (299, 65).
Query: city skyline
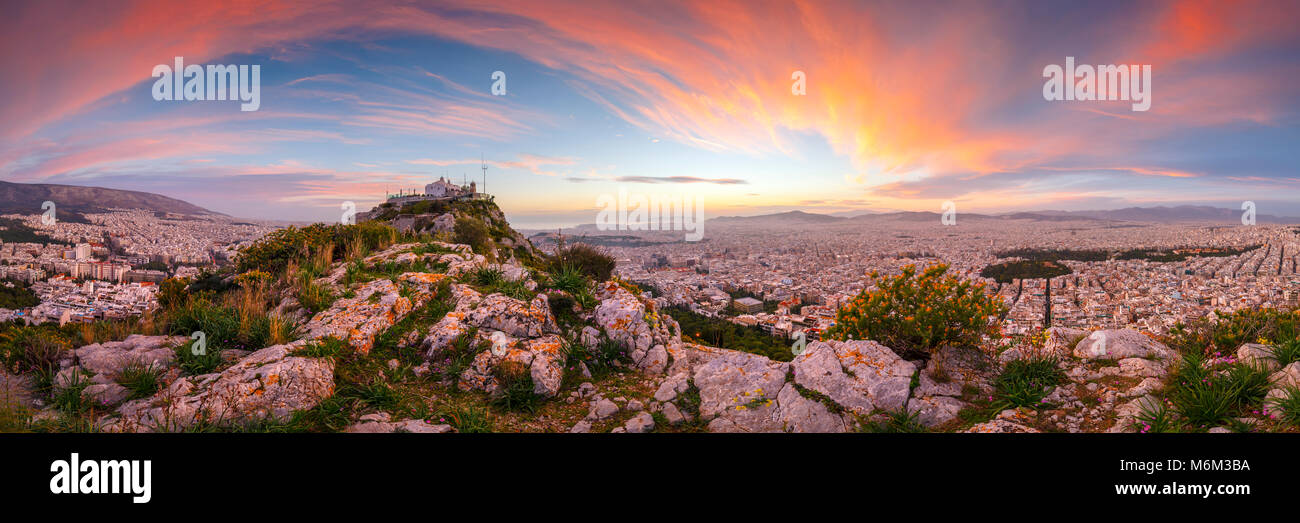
(906, 107)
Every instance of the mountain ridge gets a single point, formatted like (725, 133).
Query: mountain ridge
(26, 198)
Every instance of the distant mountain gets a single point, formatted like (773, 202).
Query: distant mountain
(1178, 214)
(781, 218)
(26, 198)
(1181, 213)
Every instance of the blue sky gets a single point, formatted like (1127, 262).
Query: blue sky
(906, 106)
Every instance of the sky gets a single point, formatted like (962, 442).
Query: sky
(905, 105)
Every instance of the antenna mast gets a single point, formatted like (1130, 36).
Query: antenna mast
(484, 164)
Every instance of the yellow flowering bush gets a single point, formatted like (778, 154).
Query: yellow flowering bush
(919, 311)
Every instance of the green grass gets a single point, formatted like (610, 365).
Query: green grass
(1286, 409)
(1207, 395)
(313, 297)
(1024, 382)
(142, 379)
(1155, 419)
(894, 423)
(600, 360)
(468, 420)
(328, 347)
(1286, 353)
(193, 362)
(516, 387)
(68, 400)
(357, 272)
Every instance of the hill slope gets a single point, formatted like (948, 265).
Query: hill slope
(26, 198)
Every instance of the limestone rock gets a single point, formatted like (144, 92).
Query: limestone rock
(267, 384)
(1118, 344)
(859, 375)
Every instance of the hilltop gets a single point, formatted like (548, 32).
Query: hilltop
(478, 223)
(26, 198)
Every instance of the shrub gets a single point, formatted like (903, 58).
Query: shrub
(32, 348)
(280, 249)
(919, 312)
(1232, 330)
(591, 261)
(171, 292)
(569, 279)
(474, 233)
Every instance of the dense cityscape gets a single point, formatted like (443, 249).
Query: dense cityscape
(792, 278)
(107, 265)
(788, 279)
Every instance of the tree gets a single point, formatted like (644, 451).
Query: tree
(1028, 269)
(919, 312)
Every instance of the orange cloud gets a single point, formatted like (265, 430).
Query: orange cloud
(897, 88)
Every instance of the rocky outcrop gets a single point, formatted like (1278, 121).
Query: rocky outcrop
(649, 337)
(1118, 344)
(101, 364)
(376, 307)
(541, 356)
(109, 358)
(514, 317)
(268, 384)
(860, 375)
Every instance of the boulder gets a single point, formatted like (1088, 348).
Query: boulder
(861, 376)
(542, 356)
(268, 384)
(640, 424)
(113, 356)
(1259, 355)
(933, 411)
(1118, 344)
(358, 320)
(514, 317)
